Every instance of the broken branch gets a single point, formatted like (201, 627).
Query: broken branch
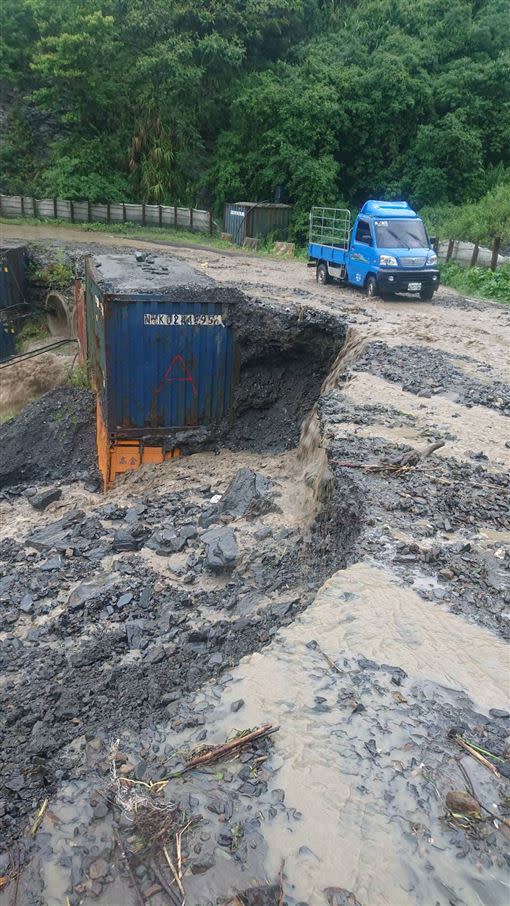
(225, 749)
(478, 756)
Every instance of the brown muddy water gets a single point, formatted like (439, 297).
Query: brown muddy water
(367, 821)
(24, 381)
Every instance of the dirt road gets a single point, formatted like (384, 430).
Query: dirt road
(478, 330)
(373, 638)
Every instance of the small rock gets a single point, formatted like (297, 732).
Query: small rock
(26, 604)
(98, 869)
(339, 896)
(497, 712)
(224, 838)
(200, 865)
(237, 705)
(100, 811)
(221, 549)
(43, 500)
(124, 599)
(462, 803)
(156, 655)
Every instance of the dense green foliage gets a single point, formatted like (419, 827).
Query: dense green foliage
(478, 281)
(476, 222)
(202, 102)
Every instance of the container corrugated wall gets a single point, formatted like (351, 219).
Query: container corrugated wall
(168, 366)
(13, 280)
(265, 220)
(13, 290)
(256, 221)
(234, 222)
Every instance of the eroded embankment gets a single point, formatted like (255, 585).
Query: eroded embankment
(127, 620)
(114, 608)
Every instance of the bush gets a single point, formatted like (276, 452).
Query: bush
(480, 281)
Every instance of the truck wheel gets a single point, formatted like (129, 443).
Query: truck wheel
(371, 287)
(322, 274)
(426, 293)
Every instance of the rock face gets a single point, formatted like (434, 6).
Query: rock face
(221, 551)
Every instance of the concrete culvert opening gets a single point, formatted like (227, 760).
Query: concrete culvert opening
(60, 307)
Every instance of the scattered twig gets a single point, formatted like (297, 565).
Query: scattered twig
(174, 898)
(17, 876)
(225, 749)
(281, 893)
(484, 751)
(153, 786)
(38, 818)
(178, 839)
(132, 875)
(471, 790)
(174, 871)
(467, 778)
(326, 657)
(481, 758)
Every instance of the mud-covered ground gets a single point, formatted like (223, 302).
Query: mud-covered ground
(129, 628)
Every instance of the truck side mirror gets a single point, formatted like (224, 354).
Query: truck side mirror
(434, 243)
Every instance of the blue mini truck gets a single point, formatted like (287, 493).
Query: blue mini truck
(386, 251)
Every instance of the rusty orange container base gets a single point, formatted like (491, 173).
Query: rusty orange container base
(118, 456)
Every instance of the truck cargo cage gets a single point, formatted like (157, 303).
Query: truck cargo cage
(330, 227)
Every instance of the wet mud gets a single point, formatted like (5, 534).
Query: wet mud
(359, 600)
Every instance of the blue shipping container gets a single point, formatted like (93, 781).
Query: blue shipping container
(160, 346)
(13, 279)
(13, 290)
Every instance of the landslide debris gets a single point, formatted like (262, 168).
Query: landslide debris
(53, 438)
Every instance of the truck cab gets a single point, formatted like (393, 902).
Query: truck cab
(386, 251)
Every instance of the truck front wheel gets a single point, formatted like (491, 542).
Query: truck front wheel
(371, 287)
(322, 273)
(426, 293)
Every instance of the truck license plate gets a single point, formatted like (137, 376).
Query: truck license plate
(413, 287)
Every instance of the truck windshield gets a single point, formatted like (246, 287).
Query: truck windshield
(401, 234)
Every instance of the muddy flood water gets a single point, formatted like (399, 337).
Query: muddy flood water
(362, 618)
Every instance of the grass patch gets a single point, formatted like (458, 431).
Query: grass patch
(55, 276)
(79, 377)
(478, 281)
(7, 416)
